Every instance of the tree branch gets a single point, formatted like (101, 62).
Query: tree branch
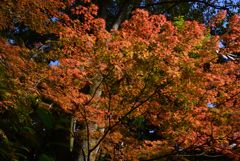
(121, 14)
(129, 112)
(193, 1)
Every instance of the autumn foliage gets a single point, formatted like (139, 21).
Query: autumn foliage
(147, 72)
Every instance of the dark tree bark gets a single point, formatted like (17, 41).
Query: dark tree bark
(121, 14)
(102, 12)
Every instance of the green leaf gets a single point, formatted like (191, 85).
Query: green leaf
(21, 155)
(28, 128)
(45, 118)
(15, 128)
(61, 127)
(4, 152)
(62, 120)
(33, 139)
(44, 158)
(25, 149)
(178, 22)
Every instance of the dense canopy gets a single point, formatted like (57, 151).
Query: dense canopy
(119, 80)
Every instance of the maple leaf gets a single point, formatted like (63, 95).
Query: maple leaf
(161, 103)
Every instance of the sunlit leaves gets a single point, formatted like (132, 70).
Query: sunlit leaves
(150, 73)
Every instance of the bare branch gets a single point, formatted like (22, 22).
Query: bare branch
(193, 1)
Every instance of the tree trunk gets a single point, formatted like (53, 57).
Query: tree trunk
(94, 92)
(102, 12)
(121, 14)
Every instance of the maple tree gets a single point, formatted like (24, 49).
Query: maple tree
(114, 12)
(148, 72)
